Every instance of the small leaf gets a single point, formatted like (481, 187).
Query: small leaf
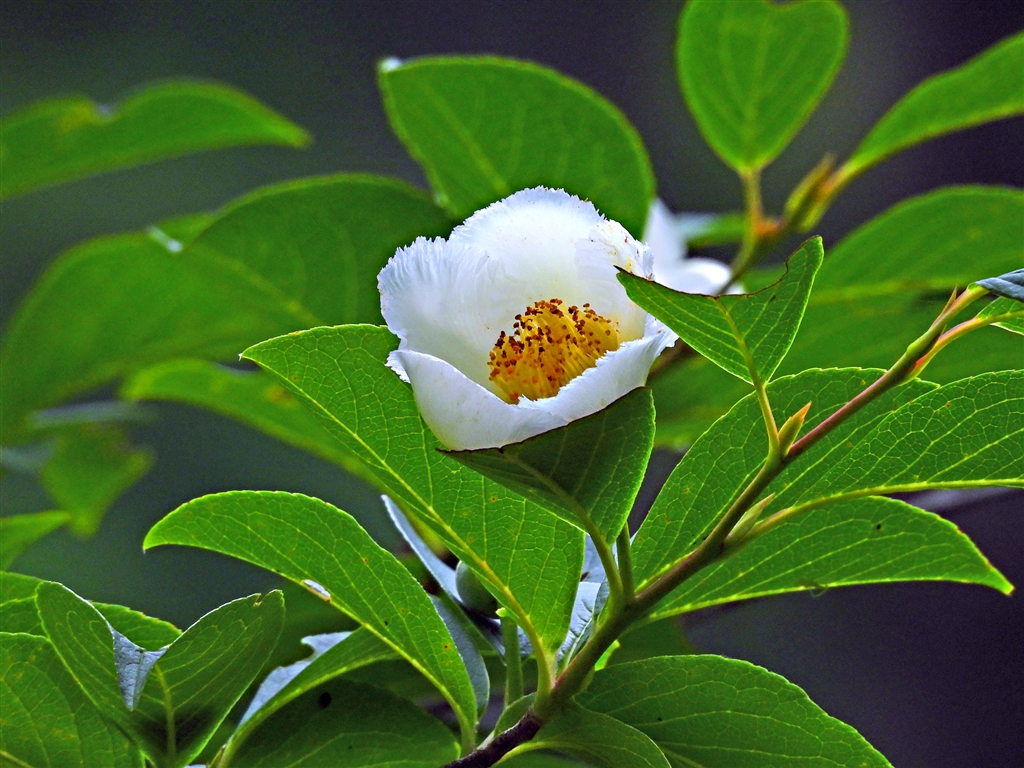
(19, 531)
(203, 673)
(333, 655)
(63, 139)
(587, 472)
(334, 554)
(988, 87)
(152, 634)
(753, 72)
(91, 466)
(934, 242)
(342, 376)
(864, 541)
(720, 713)
(1008, 308)
(485, 127)
(47, 719)
(747, 335)
(1010, 285)
(599, 739)
(341, 723)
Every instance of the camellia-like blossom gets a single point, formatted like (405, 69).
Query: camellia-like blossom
(516, 324)
(666, 235)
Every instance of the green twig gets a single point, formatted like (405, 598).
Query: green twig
(513, 661)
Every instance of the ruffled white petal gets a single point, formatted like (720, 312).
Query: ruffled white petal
(462, 414)
(666, 235)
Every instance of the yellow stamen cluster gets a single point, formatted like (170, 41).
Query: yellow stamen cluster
(550, 346)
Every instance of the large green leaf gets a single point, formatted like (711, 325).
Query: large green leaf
(747, 334)
(171, 702)
(485, 127)
(947, 238)
(724, 713)
(753, 72)
(862, 541)
(726, 457)
(350, 651)
(284, 258)
(47, 720)
(966, 434)
(341, 724)
(92, 464)
(586, 472)
(18, 531)
(530, 559)
(311, 542)
(145, 631)
(597, 738)
(252, 397)
(64, 139)
(988, 87)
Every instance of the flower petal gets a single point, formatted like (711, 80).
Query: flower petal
(695, 275)
(462, 414)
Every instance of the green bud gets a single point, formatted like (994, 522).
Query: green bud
(472, 592)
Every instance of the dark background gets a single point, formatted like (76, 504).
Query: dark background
(932, 674)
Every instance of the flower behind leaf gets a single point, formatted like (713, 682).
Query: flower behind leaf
(516, 324)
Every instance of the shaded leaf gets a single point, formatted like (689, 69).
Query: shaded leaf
(597, 738)
(727, 457)
(332, 554)
(63, 139)
(333, 655)
(938, 241)
(465, 636)
(530, 558)
(345, 725)
(863, 541)
(1010, 285)
(47, 719)
(19, 531)
(91, 466)
(988, 87)
(485, 127)
(441, 572)
(753, 72)
(747, 334)
(722, 713)
(1011, 309)
(587, 472)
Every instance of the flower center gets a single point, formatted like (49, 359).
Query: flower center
(550, 346)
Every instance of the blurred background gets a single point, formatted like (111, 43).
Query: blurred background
(932, 674)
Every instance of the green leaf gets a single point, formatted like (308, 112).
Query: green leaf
(747, 335)
(530, 558)
(63, 139)
(252, 397)
(350, 650)
(597, 738)
(753, 72)
(145, 631)
(728, 456)
(863, 541)
(172, 701)
(966, 434)
(18, 604)
(657, 638)
(91, 466)
(588, 472)
(988, 87)
(723, 713)
(328, 551)
(1010, 285)
(938, 241)
(485, 127)
(19, 531)
(16, 586)
(293, 256)
(47, 719)
(1009, 308)
(341, 724)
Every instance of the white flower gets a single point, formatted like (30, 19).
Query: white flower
(516, 324)
(666, 234)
